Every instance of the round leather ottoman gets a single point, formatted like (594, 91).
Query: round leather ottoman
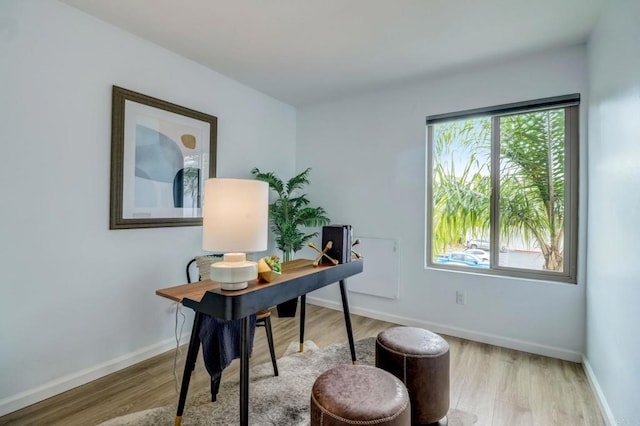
(420, 359)
(359, 395)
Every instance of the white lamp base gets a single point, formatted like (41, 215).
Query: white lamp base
(234, 272)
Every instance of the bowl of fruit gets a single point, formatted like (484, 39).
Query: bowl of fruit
(269, 268)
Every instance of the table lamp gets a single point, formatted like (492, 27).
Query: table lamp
(235, 221)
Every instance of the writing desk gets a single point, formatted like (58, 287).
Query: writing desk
(298, 278)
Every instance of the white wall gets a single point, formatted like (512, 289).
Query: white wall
(613, 284)
(78, 299)
(368, 158)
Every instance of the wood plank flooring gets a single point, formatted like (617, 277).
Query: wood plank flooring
(502, 387)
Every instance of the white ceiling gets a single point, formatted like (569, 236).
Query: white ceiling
(305, 51)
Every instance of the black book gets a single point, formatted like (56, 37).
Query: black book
(341, 237)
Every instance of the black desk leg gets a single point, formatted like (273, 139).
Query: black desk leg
(272, 351)
(303, 310)
(244, 370)
(347, 319)
(189, 365)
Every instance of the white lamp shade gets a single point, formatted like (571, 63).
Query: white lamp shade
(235, 215)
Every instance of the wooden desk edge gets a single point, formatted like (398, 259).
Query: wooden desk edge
(196, 291)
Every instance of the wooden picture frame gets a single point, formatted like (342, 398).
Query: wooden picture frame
(161, 154)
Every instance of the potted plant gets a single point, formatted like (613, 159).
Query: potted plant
(289, 214)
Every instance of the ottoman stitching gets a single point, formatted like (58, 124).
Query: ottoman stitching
(357, 422)
(404, 370)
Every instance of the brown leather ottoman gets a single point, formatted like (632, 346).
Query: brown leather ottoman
(359, 395)
(420, 359)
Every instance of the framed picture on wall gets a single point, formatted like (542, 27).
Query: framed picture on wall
(161, 154)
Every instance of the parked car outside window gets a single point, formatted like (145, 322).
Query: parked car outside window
(479, 244)
(482, 254)
(463, 259)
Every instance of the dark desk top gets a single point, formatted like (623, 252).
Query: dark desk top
(298, 277)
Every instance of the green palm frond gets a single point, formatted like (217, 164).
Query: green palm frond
(298, 182)
(299, 201)
(274, 182)
(312, 216)
(531, 186)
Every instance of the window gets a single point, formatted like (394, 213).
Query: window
(502, 187)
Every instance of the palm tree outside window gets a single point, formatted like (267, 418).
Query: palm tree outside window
(502, 186)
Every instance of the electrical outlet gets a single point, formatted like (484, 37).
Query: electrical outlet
(460, 297)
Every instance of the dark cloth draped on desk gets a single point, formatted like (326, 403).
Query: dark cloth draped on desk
(221, 345)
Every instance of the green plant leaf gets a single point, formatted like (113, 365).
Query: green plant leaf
(274, 182)
(291, 211)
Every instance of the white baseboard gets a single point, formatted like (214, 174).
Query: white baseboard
(70, 381)
(520, 345)
(597, 390)
(476, 336)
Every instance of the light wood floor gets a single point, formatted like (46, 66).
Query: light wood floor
(500, 386)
